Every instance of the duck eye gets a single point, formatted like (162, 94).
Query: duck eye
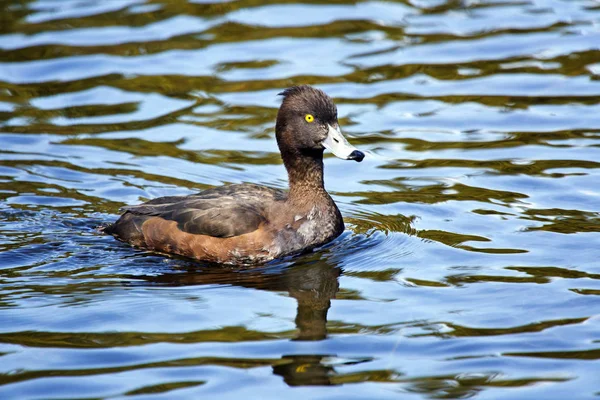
(309, 118)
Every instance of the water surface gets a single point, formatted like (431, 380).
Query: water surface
(469, 267)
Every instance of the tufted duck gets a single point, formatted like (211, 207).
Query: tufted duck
(247, 224)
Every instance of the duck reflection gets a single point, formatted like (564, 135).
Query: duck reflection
(305, 370)
(313, 285)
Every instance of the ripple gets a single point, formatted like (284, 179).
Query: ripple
(161, 30)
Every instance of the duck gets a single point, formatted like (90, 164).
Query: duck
(250, 224)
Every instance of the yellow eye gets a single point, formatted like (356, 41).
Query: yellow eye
(309, 118)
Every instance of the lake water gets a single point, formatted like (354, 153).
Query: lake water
(470, 266)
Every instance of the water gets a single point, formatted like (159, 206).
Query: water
(469, 267)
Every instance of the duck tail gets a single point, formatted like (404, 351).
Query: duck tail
(106, 229)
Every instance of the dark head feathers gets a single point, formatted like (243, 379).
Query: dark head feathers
(307, 99)
(294, 90)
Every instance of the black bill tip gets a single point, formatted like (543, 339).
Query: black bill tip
(356, 156)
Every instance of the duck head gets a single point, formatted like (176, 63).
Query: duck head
(307, 124)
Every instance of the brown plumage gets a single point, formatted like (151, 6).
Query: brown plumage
(250, 224)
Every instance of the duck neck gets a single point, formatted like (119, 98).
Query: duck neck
(305, 174)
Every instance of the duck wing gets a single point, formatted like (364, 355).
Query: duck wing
(222, 212)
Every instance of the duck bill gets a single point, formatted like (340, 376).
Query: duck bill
(339, 146)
